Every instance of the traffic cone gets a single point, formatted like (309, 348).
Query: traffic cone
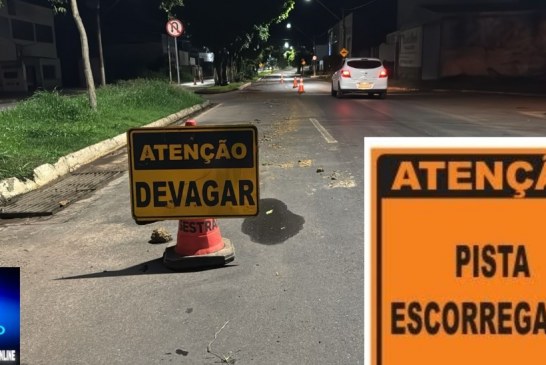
(199, 243)
(295, 83)
(300, 88)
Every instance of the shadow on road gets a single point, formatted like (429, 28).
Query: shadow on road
(274, 224)
(146, 268)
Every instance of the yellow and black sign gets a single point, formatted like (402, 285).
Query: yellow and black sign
(188, 172)
(343, 52)
(456, 255)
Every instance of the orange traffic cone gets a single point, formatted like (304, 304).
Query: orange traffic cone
(295, 83)
(199, 243)
(282, 78)
(300, 88)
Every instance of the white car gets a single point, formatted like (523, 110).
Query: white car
(360, 75)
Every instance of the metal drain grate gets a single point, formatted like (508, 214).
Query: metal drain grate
(51, 198)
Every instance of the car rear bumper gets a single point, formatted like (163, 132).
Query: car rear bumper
(377, 85)
(364, 91)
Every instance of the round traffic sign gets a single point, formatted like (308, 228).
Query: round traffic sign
(175, 28)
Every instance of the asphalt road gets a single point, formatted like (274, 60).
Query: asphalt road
(94, 291)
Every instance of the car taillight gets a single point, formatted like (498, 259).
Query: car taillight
(345, 73)
(383, 73)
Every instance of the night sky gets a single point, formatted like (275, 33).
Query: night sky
(130, 21)
(310, 19)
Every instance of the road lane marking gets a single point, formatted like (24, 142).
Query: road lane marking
(541, 115)
(327, 136)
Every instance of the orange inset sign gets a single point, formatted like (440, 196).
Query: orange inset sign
(457, 256)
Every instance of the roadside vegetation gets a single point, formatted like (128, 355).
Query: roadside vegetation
(50, 125)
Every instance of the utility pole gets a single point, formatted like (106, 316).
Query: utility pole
(342, 20)
(99, 41)
(343, 28)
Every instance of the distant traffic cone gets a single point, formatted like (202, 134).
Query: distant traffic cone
(295, 83)
(282, 78)
(300, 88)
(199, 243)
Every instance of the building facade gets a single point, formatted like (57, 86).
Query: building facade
(362, 29)
(447, 38)
(28, 52)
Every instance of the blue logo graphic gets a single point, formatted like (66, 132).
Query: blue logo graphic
(10, 315)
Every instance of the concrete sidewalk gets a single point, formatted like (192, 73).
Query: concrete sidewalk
(498, 84)
(516, 85)
(198, 84)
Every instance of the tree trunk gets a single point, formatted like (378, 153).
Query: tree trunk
(101, 54)
(85, 56)
(232, 68)
(224, 65)
(217, 68)
(221, 63)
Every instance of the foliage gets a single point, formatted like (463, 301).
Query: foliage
(169, 5)
(290, 55)
(233, 25)
(59, 6)
(50, 124)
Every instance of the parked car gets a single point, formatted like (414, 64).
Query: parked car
(360, 75)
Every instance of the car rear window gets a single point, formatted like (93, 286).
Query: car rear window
(364, 64)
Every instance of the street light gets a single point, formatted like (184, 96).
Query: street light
(289, 26)
(312, 39)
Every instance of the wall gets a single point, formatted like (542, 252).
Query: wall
(494, 45)
(410, 53)
(411, 12)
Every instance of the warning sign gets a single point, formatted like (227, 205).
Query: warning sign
(455, 252)
(193, 172)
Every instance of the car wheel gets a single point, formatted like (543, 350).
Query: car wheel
(383, 95)
(339, 93)
(333, 92)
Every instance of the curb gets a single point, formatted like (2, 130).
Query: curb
(493, 92)
(443, 90)
(243, 86)
(44, 174)
(205, 89)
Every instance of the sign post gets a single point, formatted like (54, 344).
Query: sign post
(193, 172)
(455, 254)
(175, 29)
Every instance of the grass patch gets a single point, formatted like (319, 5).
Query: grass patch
(50, 125)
